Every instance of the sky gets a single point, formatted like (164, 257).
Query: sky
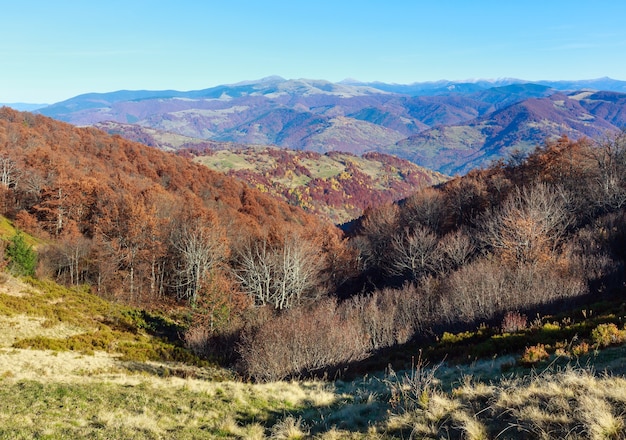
(53, 50)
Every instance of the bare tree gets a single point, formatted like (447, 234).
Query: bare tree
(9, 172)
(254, 271)
(297, 271)
(610, 156)
(414, 253)
(456, 249)
(74, 251)
(426, 207)
(279, 275)
(376, 229)
(200, 249)
(529, 225)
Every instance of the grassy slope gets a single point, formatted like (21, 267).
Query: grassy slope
(73, 365)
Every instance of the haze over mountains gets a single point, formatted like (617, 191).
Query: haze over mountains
(450, 127)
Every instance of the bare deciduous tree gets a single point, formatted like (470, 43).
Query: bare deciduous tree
(9, 172)
(378, 225)
(456, 249)
(414, 253)
(426, 207)
(529, 225)
(279, 275)
(610, 156)
(200, 249)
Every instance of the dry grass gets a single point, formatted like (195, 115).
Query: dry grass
(47, 366)
(68, 394)
(573, 403)
(19, 327)
(12, 286)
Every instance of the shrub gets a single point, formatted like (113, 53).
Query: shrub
(513, 322)
(607, 334)
(301, 341)
(551, 327)
(580, 349)
(485, 288)
(534, 354)
(413, 390)
(389, 316)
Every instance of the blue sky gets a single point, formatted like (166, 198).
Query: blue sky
(53, 50)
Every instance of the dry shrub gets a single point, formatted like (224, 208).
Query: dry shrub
(513, 322)
(596, 250)
(412, 391)
(388, 317)
(534, 354)
(301, 341)
(485, 288)
(326, 335)
(197, 340)
(289, 428)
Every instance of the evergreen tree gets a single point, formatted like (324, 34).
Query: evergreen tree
(22, 257)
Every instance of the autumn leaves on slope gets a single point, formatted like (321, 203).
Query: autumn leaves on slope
(148, 227)
(153, 229)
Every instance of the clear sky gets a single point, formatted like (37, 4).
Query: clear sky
(53, 50)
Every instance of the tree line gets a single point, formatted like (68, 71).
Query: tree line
(143, 226)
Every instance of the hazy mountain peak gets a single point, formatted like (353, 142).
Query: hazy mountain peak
(264, 80)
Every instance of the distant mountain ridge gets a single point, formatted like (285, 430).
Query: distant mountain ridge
(456, 149)
(472, 86)
(448, 126)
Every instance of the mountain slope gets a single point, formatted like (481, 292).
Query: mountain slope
(449, 126)
(121, 205)
(456, 149)
(299, 114)
(339, 186)
(336, 185)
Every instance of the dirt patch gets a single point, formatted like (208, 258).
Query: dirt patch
(12, 286)
(14, 328)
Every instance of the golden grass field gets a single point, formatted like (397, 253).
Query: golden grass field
(106, 383)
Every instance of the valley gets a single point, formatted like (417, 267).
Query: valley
(161, 283)
(447, 127)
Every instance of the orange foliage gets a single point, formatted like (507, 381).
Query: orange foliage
(126, 199)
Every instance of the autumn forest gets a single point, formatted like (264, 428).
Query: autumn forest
(275, 292)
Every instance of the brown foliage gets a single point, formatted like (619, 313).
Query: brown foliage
(530, 224)
(301, 341)
(126, 200)
(485, 289)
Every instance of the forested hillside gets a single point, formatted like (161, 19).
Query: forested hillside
(446, 126)
(138, 224)
(336, 186)
(273, 292)
(494, 248)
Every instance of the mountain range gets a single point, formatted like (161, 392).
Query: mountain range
(448, 126)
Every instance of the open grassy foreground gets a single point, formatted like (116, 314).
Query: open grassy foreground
(75, 366)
